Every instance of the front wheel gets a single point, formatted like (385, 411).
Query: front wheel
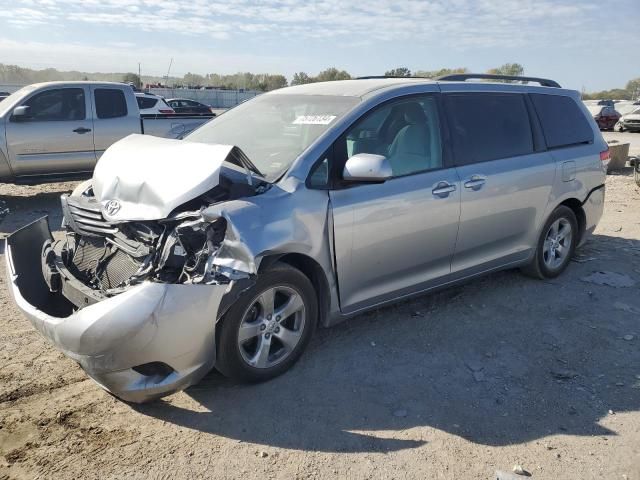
(267, 329)
(555, 246)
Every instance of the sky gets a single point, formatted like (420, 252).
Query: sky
(590, 44)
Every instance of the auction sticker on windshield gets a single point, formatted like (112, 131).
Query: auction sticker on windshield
(314, 120)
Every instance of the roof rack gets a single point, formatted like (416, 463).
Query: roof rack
(375, 77)
(461, 77)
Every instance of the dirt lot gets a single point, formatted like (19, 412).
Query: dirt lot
(460, 384)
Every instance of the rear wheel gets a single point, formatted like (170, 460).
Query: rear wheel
(556, 245)
(264, 333)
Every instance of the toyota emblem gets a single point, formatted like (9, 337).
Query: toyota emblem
(112, 207)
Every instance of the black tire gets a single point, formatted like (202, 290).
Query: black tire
(538, 268)
(229, 359)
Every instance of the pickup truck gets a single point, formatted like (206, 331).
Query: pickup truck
(58, 130)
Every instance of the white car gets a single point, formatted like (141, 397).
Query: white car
(150, 104)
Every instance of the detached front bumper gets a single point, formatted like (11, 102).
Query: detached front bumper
(147, 342)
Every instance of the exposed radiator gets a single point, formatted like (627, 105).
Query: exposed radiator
(91, 252)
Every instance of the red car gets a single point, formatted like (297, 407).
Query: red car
(605, 116)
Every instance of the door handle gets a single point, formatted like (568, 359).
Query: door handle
(475, 182)
(82, 130)
(443, 189)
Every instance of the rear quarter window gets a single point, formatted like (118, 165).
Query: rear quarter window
(489, 126)
(563, 122)
(146, 102)
(110, 103)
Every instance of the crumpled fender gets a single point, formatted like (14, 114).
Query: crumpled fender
(276, 222)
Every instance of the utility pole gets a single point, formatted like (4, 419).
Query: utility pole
(139, 75)
(169, 71)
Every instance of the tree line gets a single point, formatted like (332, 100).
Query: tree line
(263, 82)
(631, 91)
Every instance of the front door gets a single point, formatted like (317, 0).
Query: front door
(393, 238)
(55, 135)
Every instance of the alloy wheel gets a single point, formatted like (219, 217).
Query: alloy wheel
(557, 243)
(271, 327)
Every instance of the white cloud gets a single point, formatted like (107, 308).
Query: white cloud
(362, 36)
(461, 23)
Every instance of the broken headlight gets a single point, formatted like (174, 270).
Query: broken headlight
(189, 250)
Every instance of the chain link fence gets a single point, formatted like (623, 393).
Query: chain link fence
(213, 98)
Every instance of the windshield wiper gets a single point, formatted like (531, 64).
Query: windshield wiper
(238, 157)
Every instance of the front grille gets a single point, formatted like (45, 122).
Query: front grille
(84, 216)
(103, 256)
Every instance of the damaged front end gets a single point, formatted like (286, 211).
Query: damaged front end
(110, 258)
(135, 302)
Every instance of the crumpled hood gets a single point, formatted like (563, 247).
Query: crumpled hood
(631, 116)
(145, 178)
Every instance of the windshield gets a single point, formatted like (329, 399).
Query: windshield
(8, 102)
(274, 129)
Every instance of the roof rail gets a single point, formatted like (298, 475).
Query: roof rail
(375, 77)
(461, 77)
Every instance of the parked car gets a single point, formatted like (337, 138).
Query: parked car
(191, 107)
(630, 121)
(4, 95)
(302, 207)
(626, 106)
(606, 117)
(607, 103)
(150, 104)
(57, 130)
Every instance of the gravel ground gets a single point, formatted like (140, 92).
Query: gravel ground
(502, 371)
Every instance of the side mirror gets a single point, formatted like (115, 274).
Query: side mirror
(367, 167)
(20, 112)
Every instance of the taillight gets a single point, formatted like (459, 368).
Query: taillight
(605, 158)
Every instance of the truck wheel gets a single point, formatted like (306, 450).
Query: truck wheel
(555, 246)
(264, 333)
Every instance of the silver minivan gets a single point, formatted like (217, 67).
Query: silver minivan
(302, 207)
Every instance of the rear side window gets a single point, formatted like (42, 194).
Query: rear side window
(489, 126)
(563, 122)
(146, 102)
(110, 103)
